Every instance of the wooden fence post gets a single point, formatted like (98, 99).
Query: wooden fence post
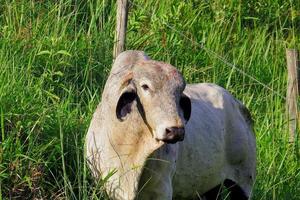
(292, 92)
(121, 25)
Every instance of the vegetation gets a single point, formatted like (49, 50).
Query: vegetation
(55, 57)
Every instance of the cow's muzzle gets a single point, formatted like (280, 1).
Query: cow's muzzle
(173, 135)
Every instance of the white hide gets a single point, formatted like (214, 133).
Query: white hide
(219, 143)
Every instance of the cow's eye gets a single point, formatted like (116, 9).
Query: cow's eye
(145, 87)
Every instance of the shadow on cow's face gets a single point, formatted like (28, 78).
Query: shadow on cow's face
(157, 90)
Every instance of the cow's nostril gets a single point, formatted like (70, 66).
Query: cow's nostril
(174, 134)
(168, 130)
(175, 130)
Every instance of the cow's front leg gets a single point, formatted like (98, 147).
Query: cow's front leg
(156, 190)
(156, 180)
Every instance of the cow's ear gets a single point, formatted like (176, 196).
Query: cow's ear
(125, 102)
(186, 106)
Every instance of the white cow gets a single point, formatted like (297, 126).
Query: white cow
(163, 139)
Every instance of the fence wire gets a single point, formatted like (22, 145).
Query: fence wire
(213, 53)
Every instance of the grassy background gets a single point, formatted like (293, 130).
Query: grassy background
(55, 57)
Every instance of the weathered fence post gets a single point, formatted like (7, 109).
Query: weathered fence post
(121, 25)
(292, 92)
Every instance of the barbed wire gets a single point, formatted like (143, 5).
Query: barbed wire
(213, 53)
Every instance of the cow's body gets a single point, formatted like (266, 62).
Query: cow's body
(143, 110)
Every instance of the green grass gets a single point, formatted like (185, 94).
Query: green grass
(55, 57)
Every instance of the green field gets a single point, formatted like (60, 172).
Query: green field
(56, 55)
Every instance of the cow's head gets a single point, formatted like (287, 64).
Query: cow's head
(155, 90)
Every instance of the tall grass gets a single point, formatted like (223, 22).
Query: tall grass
(55, 57)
